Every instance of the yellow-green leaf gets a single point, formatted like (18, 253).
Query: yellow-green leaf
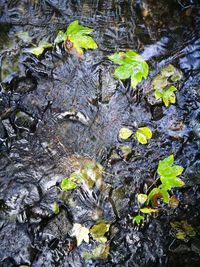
(148, 210)
(98, 231)
(56, 208)
(137, 219)
(143, 134)
(78, 35)
(67, 184)
(125, 133)
(100, 252)
(39, 50)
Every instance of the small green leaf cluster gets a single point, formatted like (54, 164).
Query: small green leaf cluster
(143, 134)
(162, 84)
(168, 175)
(78, 36)
(131, 65)
(89, 175)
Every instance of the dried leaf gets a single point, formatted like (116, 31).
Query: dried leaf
(81, 233)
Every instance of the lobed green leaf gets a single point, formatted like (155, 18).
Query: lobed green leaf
(67, 184)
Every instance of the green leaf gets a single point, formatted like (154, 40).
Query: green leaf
(148, 210)
(123, 72)
(181, 235)
(81, 233)
(98, 231)
(82, 41)
(137, 219)
(75, 28)
(67, 184)
(171, 181)
(162, 80)
(36, 51)
(158, 94)
(39, 50)
(125, 133)
(118, 58)
(131, 65)
(61, 37)
(56, 208)
(167, 96)
(164, 194)
(168, 173)
(143, 134)
(142, 198)
(78, 35)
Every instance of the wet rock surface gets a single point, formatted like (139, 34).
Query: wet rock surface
(57, 112)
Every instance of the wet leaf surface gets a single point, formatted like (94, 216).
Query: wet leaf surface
(79, 107)
(131, 65)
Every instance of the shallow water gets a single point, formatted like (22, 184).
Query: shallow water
(57, 112)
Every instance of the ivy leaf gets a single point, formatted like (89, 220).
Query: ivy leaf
(81, 233)
(67, 184)
(143, 134)
(78, 35)
(40, 49)
(148, 210)
(137, 219)
(142, 198)
(125, 133)
(131, 65)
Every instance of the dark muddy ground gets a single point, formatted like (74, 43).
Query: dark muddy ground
(57, 111)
